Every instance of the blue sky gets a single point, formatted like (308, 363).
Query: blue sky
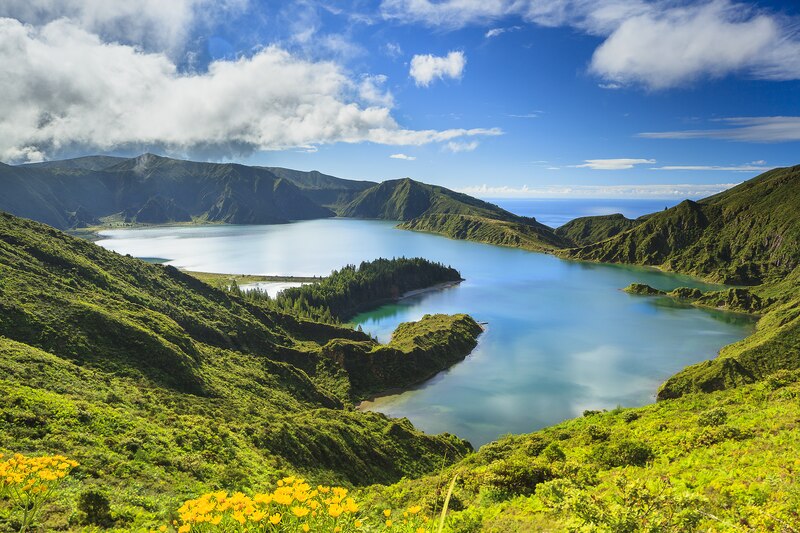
(499, 98)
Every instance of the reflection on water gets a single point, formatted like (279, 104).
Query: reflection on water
(561, 336)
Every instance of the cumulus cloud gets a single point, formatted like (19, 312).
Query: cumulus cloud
(403, 157)
(657, 43)
(151, 24)
(614, 164)
(678, 191)
(742, 129)
(63, 88)
(427, 68)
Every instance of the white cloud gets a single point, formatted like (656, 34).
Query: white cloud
(403, 157)
(742, 129)
(656, 191)
(614, 164)
(657, 43)
(393, 50)
(456, 146)
(426, 68)
(151, 24)
(371, 90)
(65, 89)
(494, 32)
(527, 115)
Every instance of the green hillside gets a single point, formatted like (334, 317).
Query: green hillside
(721, 462)
(150, 189)
(325, 190)
(163, 387)
(747, 235)
(589, 230)
(434, 209)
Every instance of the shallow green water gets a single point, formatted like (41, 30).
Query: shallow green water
(560, 336)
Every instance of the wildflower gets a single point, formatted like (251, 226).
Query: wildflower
(299, 512)
(306, 528)
(275, 519)
(387, 513)
(388, 523)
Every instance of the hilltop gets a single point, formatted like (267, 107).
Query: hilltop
(423, 207)
(151, 189)
(747, 235)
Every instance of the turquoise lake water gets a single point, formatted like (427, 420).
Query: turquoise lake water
(560, 336)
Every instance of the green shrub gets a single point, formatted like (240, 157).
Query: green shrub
(630, 416)
(597, 433)
(95, 508)
(626, 452)
(712, 417)
(514, 477)
(553, 453)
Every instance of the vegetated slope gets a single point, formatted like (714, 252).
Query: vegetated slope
(164, 386)
(749, 234)
(435, 209)
(151, 189)
(325, 190)
(724, 461)
(344, 292)
(589, 230)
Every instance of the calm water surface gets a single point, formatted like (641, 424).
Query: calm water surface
(560, 336)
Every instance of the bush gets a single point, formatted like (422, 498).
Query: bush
(597, 433)
(554, 453)
(624, 453)
(516, 477)
(713, 417)
(630, 416)
(95, 508)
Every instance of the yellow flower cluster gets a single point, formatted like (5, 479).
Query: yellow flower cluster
(27, 482)
(293, 506)
(19, 474)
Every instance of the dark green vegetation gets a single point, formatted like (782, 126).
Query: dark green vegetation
(723, 461)
(164, 387)
(746, 235)
(589, 230)
(354, 288)
(150, 189)
(434, 209)
(327, 191)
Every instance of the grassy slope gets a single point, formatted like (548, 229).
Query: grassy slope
(434, 209)
(162, 386)
(724, 461)
(589, 230)
(746, 235)
(151, 189)
(325, 190)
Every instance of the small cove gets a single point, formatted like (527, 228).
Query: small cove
(560, 337)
